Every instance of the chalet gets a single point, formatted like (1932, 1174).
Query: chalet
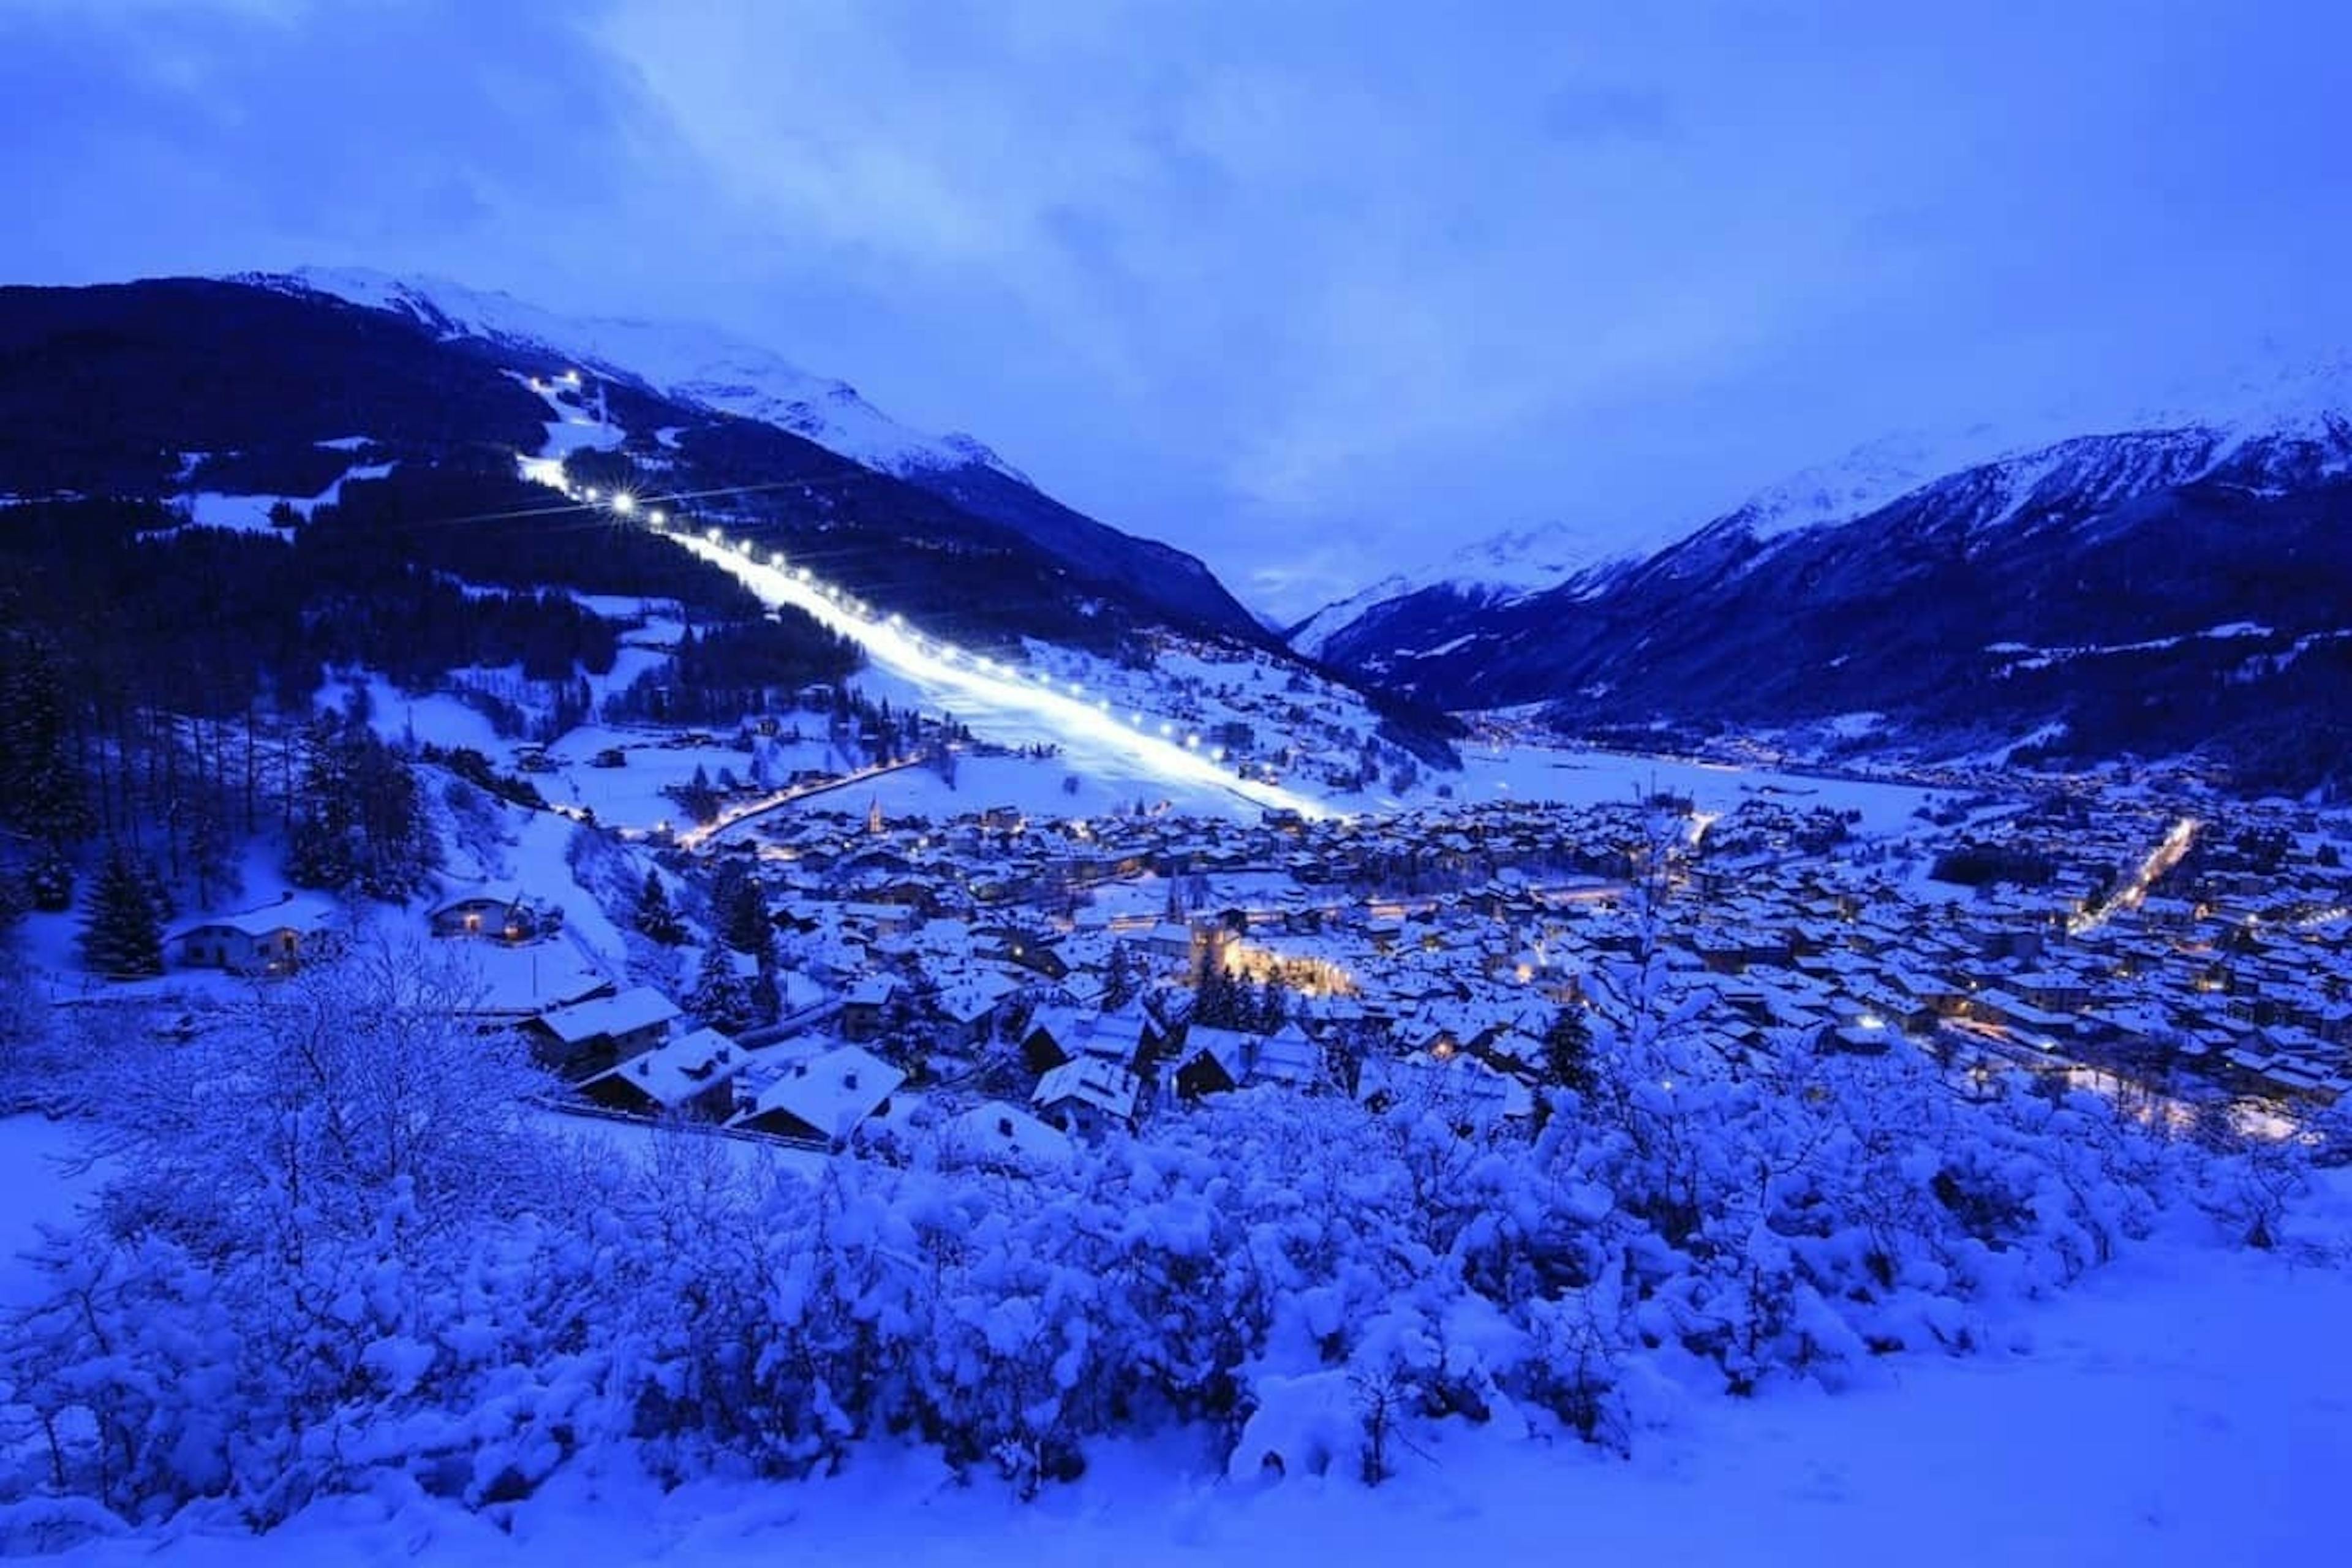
(587, 1037)
(498, 913)
(692, 1076)
(1215, 1060)
(1089, 1096)
(1288, 1057)
(273, 940)
(1218, 1060)
(863, 1007)
(882, 919)
(967, 1008)
(1059, 1035)
(824, 1099)
(1170, 942)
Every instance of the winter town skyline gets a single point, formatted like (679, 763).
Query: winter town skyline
(1315, 295)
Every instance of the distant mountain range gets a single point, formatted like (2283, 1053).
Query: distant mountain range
(280, 387)
(2179, 581)
(2180, 588)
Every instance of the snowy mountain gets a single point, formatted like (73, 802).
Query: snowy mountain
(1857, 589)
(233, 398)
(2169, 438)
(712, 372)
(1495, 569)
(693, 364)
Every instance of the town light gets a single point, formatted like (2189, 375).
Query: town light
(623, 503)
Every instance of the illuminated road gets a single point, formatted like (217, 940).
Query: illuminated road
(2134, 893)
(727, 822)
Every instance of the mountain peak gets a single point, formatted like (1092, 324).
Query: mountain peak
(696, 364)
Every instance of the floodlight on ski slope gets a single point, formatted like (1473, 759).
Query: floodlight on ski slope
(894, 645)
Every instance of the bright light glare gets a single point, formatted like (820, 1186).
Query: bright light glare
(623, 503)
(996, 684)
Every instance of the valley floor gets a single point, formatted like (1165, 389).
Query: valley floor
(2189, 1405)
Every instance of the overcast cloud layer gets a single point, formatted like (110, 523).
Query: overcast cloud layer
(1311, 289)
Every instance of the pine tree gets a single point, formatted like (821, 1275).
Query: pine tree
(720, 997)
(361, 826)
(1270, 1007)
(655, 917)
(700, 798)
(1120, 982)
(1568, 1050)
(738, 909)
(122, 936)
(42, 791)
(1219, 1000)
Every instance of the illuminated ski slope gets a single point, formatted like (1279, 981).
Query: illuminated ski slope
(992, 698)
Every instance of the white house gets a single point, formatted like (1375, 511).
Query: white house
(273, 940)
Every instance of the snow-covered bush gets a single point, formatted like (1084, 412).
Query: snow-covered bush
(334, 1254)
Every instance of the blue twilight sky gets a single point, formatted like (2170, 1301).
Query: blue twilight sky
(1313, 289)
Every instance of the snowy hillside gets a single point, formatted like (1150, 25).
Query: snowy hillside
(693, 364)
(2279, 422)
(2170, 439)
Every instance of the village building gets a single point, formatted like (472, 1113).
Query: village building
(692, 1076)
(588, 1036)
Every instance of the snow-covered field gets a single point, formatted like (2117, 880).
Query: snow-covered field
(1575, 777)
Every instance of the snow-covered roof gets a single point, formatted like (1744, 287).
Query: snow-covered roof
(303, 912)
(1230, 1048)
(995, 1133)
(639, 1007)
(1460, 1081)
(832, 1093)
(676, 1070)
(503, 893)
(871, 992)
(1288, 1055)
(1090, 1081)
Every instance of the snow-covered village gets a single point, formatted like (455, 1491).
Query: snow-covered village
(1712, 928)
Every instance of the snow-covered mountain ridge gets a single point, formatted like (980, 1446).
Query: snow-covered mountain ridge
(1827, 595)
(1494, 570)
(2276, 423)
(692, 364)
